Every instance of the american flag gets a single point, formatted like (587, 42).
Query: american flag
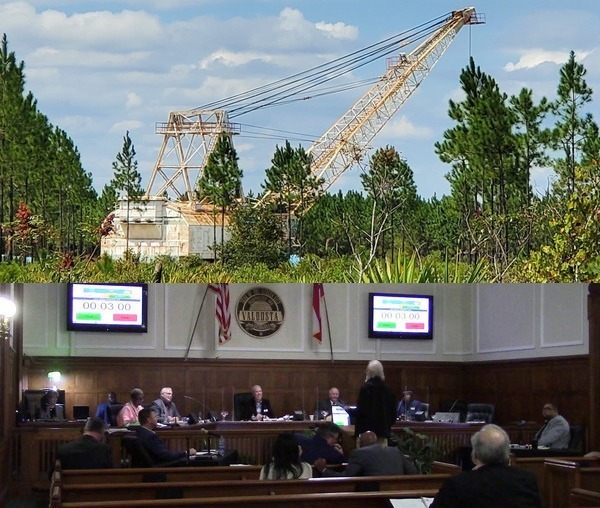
(222, 311)
(318, 296)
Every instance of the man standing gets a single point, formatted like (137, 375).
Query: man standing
(89, 451)
(371, 459)
(556, 432)
(256, 408)
(492, 482)
(166, 410)
(153, 444)
(324, 406)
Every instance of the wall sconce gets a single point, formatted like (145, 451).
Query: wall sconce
(54, 378)
(7, 310)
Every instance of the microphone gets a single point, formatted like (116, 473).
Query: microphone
(211, 418)
(452, 406)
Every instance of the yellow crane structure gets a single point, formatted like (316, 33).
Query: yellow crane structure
(190, 136)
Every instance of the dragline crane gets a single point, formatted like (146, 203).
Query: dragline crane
(190, 136)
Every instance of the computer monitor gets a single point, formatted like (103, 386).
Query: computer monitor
(441, 417)
(81, 413)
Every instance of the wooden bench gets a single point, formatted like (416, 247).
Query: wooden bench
(165, 474)
(311, 500)
(584, 497)
(536, 466)
(562, 476)
(179, 490)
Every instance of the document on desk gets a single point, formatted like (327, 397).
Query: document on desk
(416, 502)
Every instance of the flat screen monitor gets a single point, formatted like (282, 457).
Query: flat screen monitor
(104, 307)
(400, 316)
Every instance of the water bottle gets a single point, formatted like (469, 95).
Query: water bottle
(221, 446)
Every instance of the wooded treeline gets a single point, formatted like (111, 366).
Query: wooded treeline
(492, 223)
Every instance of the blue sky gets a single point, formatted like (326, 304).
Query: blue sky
(100, 68)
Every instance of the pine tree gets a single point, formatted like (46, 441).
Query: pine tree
(127, 178)
(221, 181)
(569, 131)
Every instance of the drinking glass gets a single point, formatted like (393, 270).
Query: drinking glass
(224, 414)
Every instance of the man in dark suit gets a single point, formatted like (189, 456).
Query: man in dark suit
(323, 445)
(166, 410)
(256, 408)
(89, 451)
(492, 483)
(324, 406)
(153, 444)
(371, 459)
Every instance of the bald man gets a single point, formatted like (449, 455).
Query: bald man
(324, 406)
(492, 483)
(371, 459)
(257, 408)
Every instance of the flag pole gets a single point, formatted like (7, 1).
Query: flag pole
(328, 325)
(187, 351)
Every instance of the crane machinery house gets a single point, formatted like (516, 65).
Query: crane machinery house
(170, 220)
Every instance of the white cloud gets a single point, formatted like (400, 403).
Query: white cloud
(234, 59)
(531, 58)
(338, 30)
(133, 100)
(401, 127)
(126, 125)
(46, 56)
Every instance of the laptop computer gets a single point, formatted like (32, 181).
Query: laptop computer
(81, 413)
(440, 417)
(340, 416)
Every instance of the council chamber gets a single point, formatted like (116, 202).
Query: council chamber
(483, 352)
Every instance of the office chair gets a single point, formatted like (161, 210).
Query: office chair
(239, 400)
(477, 412)
(113, 411)
(576, 441)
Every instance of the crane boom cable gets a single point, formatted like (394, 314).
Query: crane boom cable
(324, 72)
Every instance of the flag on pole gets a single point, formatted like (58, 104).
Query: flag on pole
(318, 297)
(222, 311)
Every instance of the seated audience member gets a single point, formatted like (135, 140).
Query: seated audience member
(323, 445)
(153, 444)
(492, 482)
(89, 451)
(256, 408)
(371, 459)
(286, 463)
(166, 410)
(49, 409)
(129, 412)
(102, 411)
(556, 432)
(408, 407)
(324, 406)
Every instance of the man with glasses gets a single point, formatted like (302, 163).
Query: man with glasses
(556, 432)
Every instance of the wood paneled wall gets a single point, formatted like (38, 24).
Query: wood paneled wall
(518, 388)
